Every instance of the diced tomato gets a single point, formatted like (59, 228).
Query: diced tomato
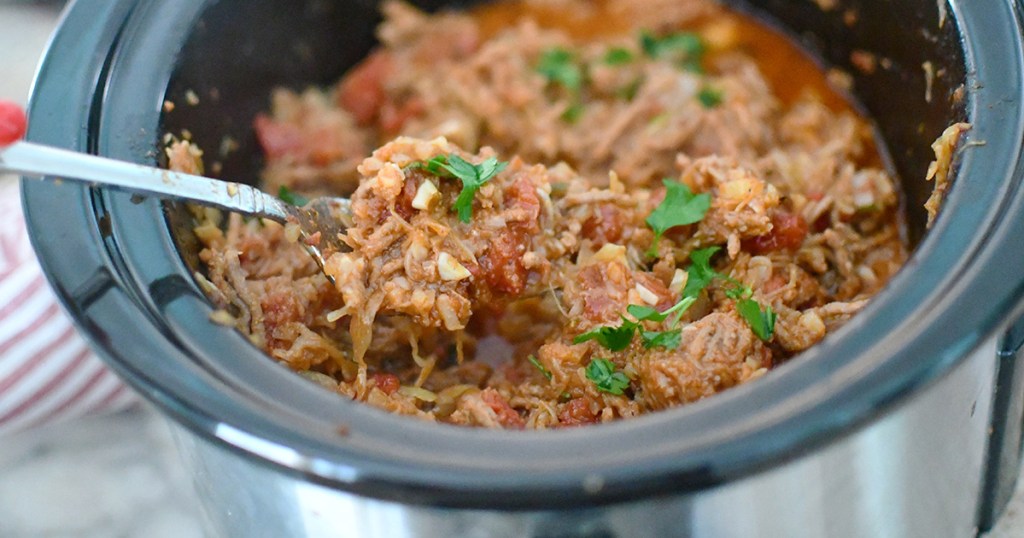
(362, 91)
(788, 233)
(577, 412)
(277, 139)
(522, 196)
(507, 416)
(502, 266)
(403, 205)
(13, 123)
(605, 226)
(388, 383)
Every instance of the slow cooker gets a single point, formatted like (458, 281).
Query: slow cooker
(905, 423)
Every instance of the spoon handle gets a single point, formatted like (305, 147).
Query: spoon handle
(29, 159)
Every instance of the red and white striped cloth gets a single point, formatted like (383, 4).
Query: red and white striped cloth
(47, 371)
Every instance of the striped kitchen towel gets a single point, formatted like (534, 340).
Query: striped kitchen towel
(47, 371)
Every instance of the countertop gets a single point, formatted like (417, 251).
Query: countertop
(118, 475)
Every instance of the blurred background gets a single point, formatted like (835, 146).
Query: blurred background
(114, 475)
(110, 475)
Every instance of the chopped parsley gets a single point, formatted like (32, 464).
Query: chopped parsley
(290, 197)
(536, 363)
(709, 97)
(434, 166)
(611, 338)
(738, 291)
(629, 91)
(683, 48)
(618, 56)
(562, 68)
(645, 313)
(559, 66)
(573, 113)
(679, 309)
(700, 273)
(667, 339)
(472, 176)
(619, 338)
(671, 338)
(761, 320)
(606, 379)
(679, 207)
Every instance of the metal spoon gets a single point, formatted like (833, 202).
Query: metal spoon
(320, 222)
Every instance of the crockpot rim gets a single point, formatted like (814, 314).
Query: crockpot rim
(394, 481)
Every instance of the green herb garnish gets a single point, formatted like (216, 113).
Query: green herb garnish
(700, 274)
(573, 113)
(559, 66)
(761, 320)
(533, 360)
(629, 91)
(473, 176)
(679, 309)
(667, 339)
(434, 165)
(679, 207)
(611, 338)
(606, 379)
(709, 97)
(645, 313)
(292, 198)
(683, 48)
(618, 56)
(619, 338)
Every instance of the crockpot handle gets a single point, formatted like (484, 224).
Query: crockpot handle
(1007, 428)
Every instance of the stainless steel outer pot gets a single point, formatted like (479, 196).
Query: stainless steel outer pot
(905, 423)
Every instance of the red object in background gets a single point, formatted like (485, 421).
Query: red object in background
(47, 371)
(12, 123)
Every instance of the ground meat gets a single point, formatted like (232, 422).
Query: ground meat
(719, 351)
(552, 304)
(488, 409)
(604, 226)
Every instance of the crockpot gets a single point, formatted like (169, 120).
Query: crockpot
(907, 422)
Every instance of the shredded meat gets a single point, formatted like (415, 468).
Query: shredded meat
(719, 352)
(490, 321)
